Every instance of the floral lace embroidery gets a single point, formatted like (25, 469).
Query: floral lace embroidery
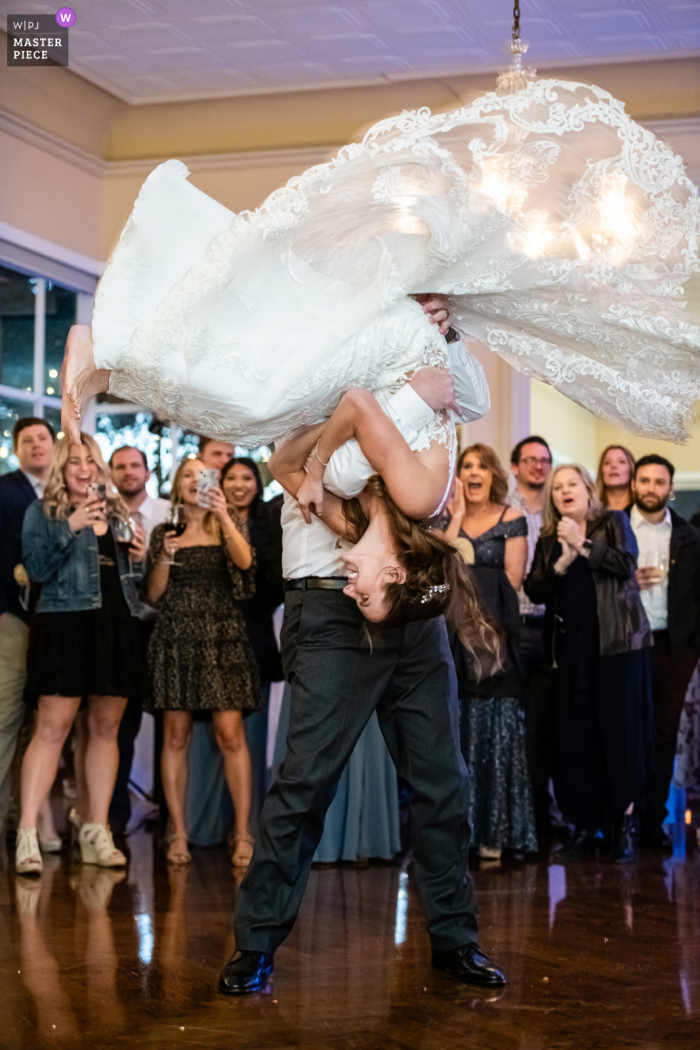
(492, 204)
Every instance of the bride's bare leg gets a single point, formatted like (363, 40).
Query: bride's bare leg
(80, 379)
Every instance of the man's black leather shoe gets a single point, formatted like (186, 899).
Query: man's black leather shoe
(583, 842)
(245, 972)
(468, 964)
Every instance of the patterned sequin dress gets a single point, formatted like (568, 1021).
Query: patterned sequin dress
(492, 727)
(199, 655)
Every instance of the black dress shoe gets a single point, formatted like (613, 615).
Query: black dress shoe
(468, 964)
(245, 972)
(582, 843)
(655, 838)
(622, 845)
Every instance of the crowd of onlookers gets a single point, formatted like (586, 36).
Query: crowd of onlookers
(595, 586)
(114, 602)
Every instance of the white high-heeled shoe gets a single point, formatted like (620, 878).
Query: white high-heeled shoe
(27, 856)
(97, 847)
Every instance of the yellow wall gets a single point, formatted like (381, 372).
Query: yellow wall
(50, 197)
(575, 434)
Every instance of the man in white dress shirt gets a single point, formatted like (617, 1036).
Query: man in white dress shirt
(130, 474)
(669, 579)
(336, 684)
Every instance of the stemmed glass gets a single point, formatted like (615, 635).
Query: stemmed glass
(124, 534)
(176, 522)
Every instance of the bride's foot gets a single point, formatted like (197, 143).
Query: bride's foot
(80, 379)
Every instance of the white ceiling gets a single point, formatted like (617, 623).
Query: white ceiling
(161, 50)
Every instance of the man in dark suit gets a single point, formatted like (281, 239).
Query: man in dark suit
(669, 579)
(33, 441)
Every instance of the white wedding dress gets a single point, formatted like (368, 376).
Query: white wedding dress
(563, 232)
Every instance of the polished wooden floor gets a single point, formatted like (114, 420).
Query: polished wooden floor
(596, 956)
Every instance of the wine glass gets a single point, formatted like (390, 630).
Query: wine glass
(124, 534)
(176, 522)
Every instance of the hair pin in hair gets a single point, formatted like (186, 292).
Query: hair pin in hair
(437, 588)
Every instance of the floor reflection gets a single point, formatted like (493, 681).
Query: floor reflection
(111, 959)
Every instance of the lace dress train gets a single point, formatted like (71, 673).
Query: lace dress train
(563, 231)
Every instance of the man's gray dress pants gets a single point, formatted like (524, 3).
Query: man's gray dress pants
(336, 683)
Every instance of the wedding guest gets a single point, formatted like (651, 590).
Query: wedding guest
(530, 464)
(615, 477)
(33, 443)
(598, 636)
(130, 474)
(669, 580)
(86, 641)
(243, 489)
(215, 454)
(207, 807)
(199, 654)
(492, 729)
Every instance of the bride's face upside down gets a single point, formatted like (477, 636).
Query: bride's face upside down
(371, 564)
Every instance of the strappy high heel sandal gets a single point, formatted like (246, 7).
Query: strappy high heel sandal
(97, 847)
(178, 854)
(27, 855)
(243, 850)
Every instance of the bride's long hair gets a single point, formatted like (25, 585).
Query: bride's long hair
(438, 581)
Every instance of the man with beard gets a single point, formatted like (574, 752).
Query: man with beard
(530, 463)
(130, 473)
(669, 578)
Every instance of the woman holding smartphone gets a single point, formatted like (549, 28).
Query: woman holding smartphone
(86, 641)
(199, 654)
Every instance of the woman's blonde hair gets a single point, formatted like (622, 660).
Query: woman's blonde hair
(57, 503)
(602, 491)
(209, 522)
(438, 580)
(489, 461)
(550, 515)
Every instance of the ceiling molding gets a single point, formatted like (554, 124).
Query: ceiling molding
(682, 134)
(24, 130)
(268, 158)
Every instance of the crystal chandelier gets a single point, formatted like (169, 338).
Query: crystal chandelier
(515, 76)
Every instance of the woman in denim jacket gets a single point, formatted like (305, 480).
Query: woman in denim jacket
(87, 640)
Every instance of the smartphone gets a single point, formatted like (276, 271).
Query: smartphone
(96, 488)
(208, 479)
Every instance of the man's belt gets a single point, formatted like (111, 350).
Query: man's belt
(316, 583)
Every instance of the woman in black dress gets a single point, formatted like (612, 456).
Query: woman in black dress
(86, 642)
(492, 729)
(598, 636)
(243, 488)
(199, 654)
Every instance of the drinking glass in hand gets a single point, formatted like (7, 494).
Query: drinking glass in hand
(124, 534)
(176, 522)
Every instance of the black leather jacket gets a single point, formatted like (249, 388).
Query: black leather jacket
(622, 621)
(683, 586)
